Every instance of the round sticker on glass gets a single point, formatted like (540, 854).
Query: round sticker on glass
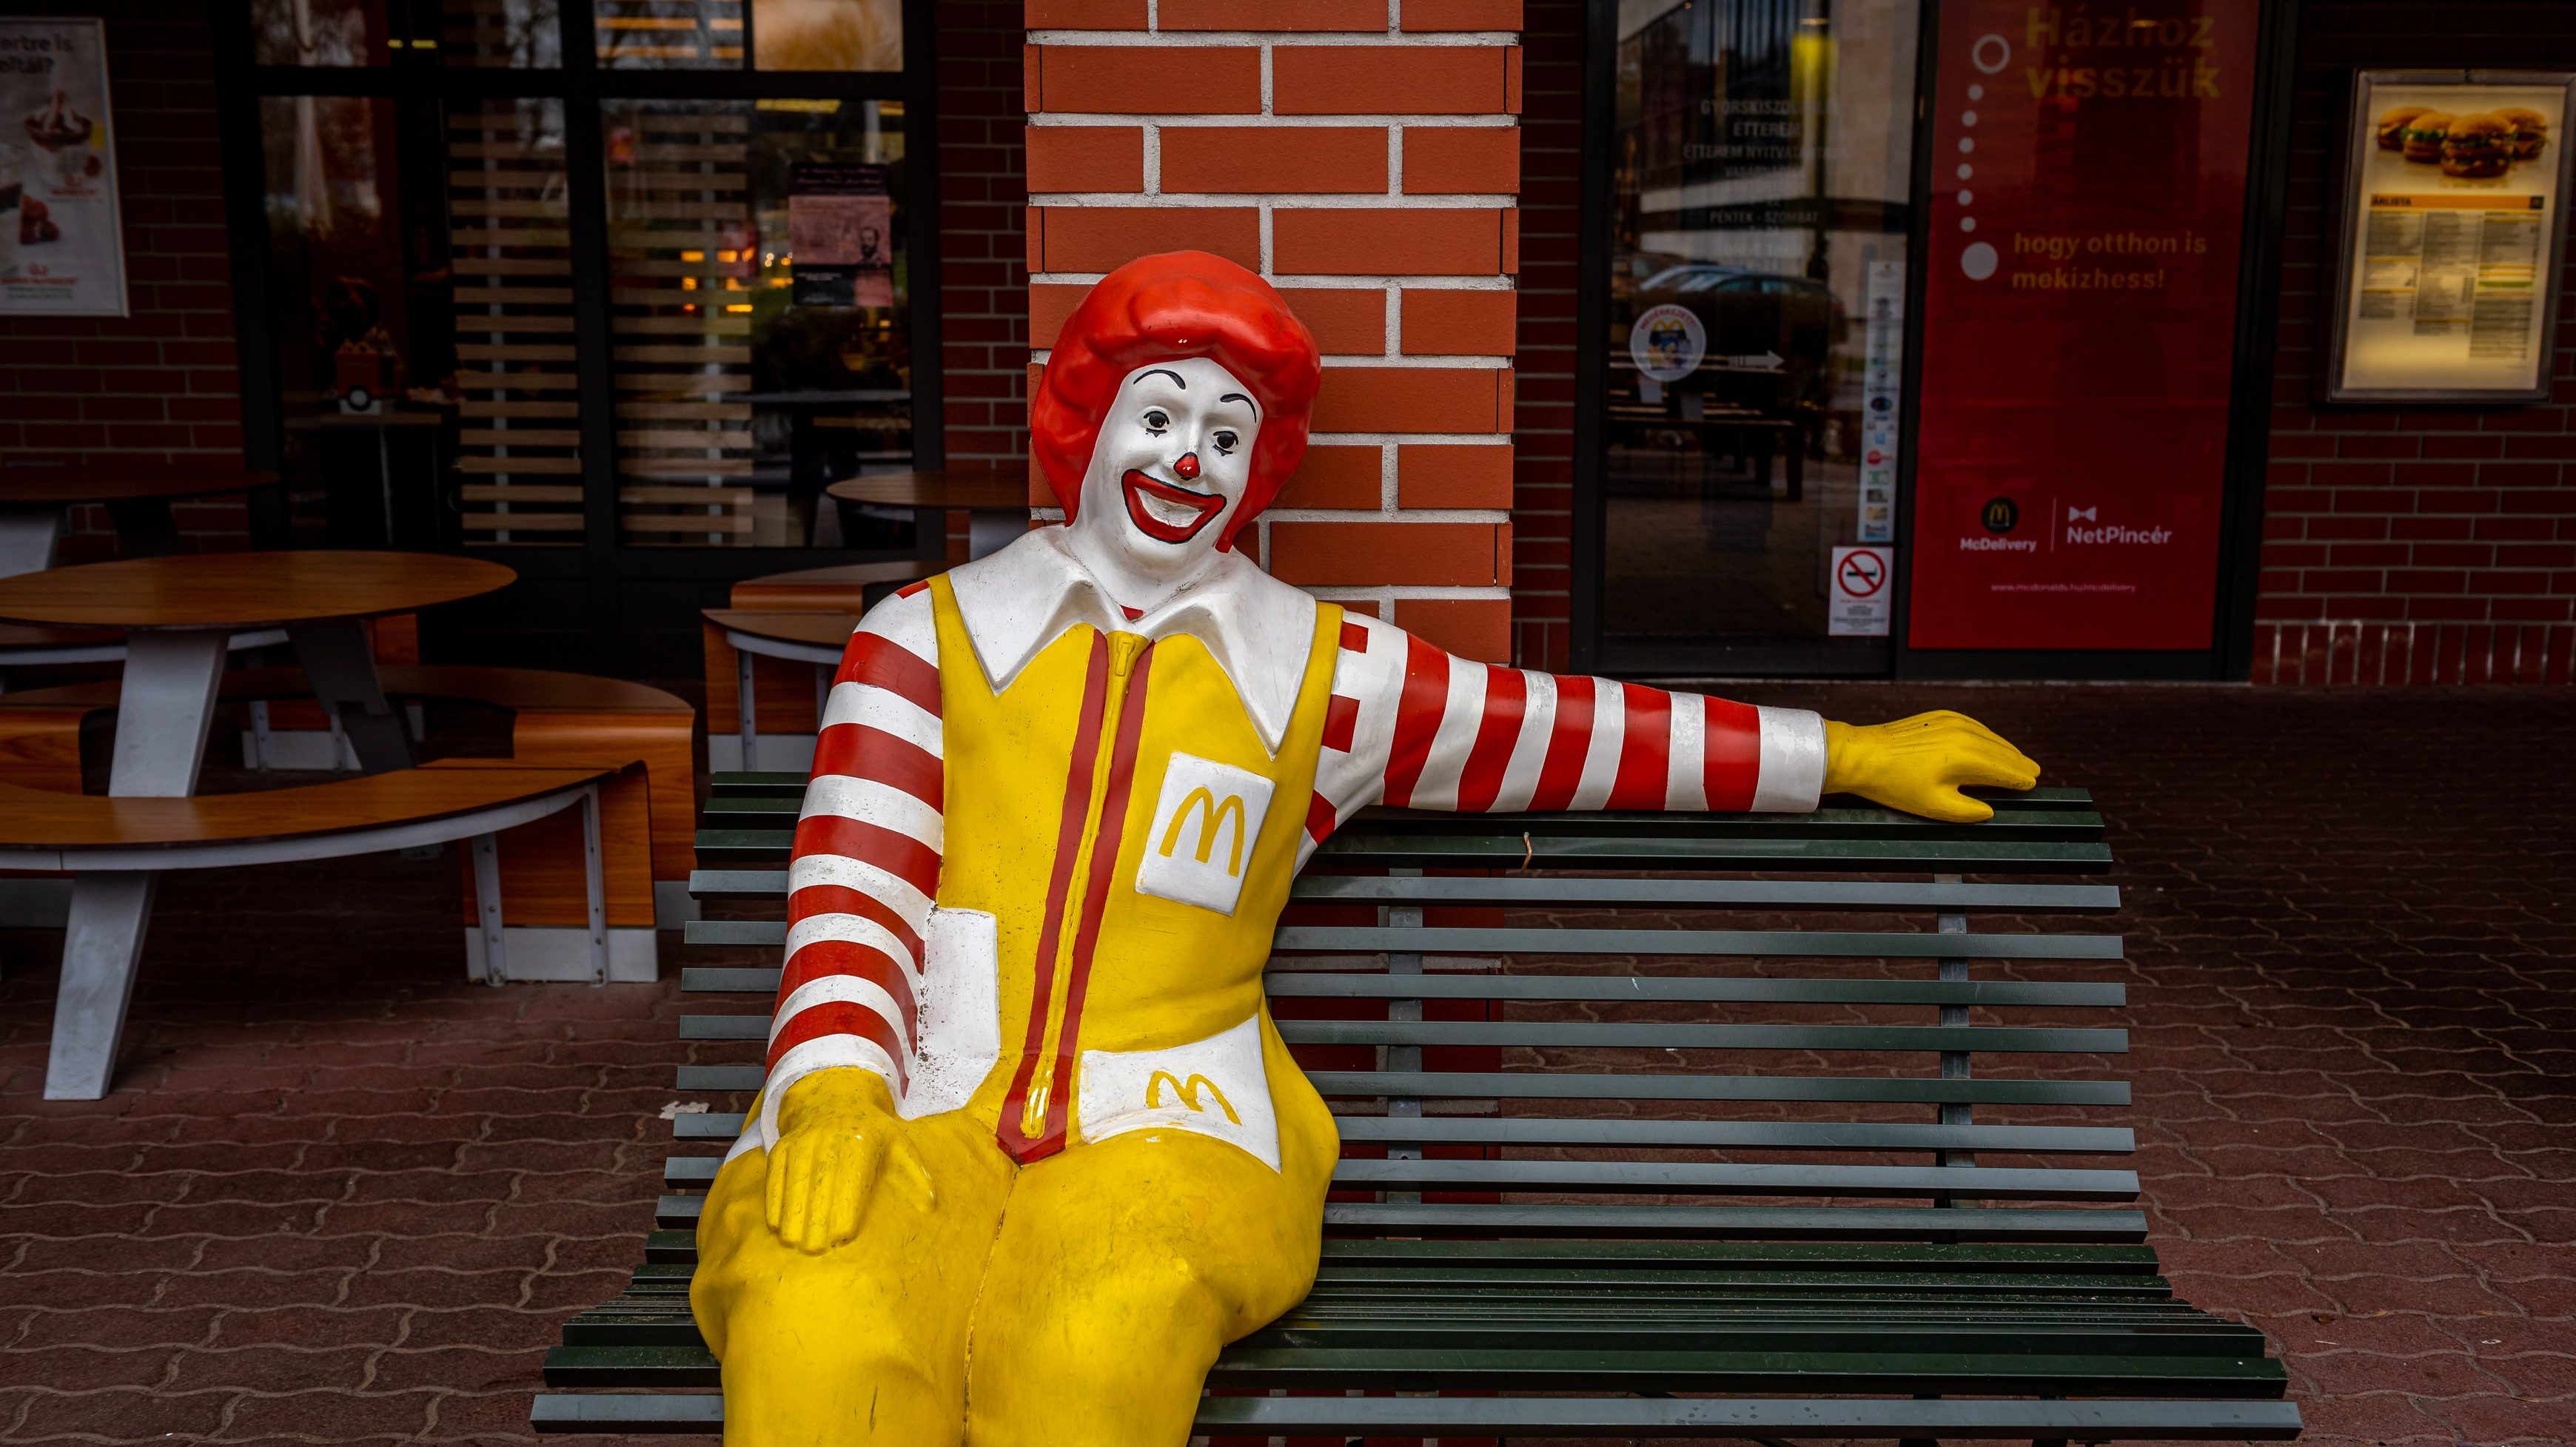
(1667, 343)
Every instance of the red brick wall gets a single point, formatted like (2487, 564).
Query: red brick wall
(1543, 413)
(1364, 159)
(160, 382)
(983, 270)
(2444, 538)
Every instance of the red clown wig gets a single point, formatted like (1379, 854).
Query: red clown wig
(1156, 309)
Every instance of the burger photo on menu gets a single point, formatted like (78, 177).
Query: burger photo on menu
(2477, 147)
(2423, 138)
(2392, 126)
(2530, 130)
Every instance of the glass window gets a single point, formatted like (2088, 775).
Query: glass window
(1762, 164)
(509, 33)
(759, 304)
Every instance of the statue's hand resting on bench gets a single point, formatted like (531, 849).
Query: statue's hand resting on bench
(1919, 764)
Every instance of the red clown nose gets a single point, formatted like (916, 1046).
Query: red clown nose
(1188, 466)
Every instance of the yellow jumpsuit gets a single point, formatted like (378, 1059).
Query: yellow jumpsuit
(1140, 1177)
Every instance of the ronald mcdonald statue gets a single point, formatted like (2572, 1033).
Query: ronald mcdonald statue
(1031, 1151)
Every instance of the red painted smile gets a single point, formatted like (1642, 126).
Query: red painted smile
(1138, 487)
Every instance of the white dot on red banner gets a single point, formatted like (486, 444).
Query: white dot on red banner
(1978, 261)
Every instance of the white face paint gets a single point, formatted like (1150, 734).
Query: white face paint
(1172, 462)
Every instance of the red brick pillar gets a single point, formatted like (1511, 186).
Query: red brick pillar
(1362, 155)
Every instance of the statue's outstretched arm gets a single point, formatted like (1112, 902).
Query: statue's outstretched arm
(1414, 727)
(860, 883)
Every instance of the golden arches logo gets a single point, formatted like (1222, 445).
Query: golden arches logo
(1188, 1091)
(1211, 814)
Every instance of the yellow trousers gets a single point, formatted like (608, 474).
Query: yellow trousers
(1075, 1301)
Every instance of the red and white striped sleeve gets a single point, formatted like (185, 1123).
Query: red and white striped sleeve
(1413, 727)
(865, 868)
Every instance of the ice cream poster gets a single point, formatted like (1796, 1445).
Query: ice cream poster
(62, 242)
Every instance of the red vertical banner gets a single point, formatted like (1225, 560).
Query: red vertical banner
(2088, 195)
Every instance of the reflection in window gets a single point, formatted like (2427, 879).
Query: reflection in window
(1761, 164)
(826, 35)
(513, 34)
(758, 303)
(319, 32)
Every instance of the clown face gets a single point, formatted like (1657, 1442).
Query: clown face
(1173, 460)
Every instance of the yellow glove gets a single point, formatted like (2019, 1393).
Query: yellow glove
(837, 1133)
(1917, 764)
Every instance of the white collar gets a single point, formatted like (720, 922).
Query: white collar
(1018, 600)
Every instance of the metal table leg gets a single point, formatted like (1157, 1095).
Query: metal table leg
(164, 708)
(342, 668)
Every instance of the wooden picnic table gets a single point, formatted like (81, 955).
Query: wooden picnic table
(136, 493)
(181, 612)
(999, 501)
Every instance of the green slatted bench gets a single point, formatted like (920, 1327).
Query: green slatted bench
(1762, 1183)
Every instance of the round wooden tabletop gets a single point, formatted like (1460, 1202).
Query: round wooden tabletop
(243, 590)
(37, 484)
(821, 630)
(984, 491)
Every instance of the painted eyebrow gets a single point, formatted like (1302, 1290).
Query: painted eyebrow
(1246, 401)
(1166, 372)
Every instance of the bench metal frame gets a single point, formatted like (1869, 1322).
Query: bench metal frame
(1919, 1305)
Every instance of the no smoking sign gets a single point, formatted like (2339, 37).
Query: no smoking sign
(1858, 606)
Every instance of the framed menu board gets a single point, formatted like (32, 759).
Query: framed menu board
(62, 241)
(2451, 237)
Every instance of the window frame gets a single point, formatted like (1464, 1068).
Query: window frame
(414, 74)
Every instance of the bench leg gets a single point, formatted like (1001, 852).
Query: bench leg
(487, 907)
(746, 712)
(336, 658)
(594, 878)
(101, 947)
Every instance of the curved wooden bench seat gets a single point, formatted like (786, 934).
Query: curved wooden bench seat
(781, 684)
(117, 848)
(560, 718)
(45, 829)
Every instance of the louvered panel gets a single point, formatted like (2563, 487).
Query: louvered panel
(683, 245)
(518, 364)
(669, 34)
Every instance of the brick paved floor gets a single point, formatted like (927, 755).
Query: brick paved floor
(342, 1195)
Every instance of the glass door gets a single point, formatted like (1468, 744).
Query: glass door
(1750, 285)
(608, 291)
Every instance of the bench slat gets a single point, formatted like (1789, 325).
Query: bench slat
(1563, 1416)
(1682, 1223)
(1698, 893)
(1586, 1034)
(745, 846)
(1786, 944)
(1462, 985)
(1579, 1034)
(1674, 1178)
(1535, 1085)
(1711, 1134)
(1588, 889)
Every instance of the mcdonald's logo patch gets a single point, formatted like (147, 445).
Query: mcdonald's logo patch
(1206, 827)
(1188, 1091)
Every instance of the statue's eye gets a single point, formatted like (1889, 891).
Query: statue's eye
(1157, 420)
(1226, 441)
